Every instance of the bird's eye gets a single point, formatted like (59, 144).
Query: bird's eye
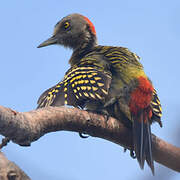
(66, 25)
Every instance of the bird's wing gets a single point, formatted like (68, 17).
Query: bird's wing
(120, 55)
(80, 84)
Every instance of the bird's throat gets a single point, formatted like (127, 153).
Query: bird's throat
(80, 52)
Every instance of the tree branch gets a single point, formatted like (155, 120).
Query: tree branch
(25, 127)
(10, 171)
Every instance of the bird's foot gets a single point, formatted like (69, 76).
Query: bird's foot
(102, 112)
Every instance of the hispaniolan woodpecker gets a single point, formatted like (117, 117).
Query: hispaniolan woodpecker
(105, 78)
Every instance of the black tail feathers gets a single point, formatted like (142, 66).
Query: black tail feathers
(142, 140)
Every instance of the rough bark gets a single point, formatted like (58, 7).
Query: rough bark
(10, 171)
(25, 127)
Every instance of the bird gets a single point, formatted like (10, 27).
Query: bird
(107, 80)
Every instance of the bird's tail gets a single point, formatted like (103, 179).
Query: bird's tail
(142, 140)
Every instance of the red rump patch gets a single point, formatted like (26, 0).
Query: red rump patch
(141, 96)
(90, 25)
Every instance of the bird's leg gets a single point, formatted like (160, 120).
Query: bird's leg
(110, 102)
(98, 108)
(97, 111)
(100, 112)
(113, 100)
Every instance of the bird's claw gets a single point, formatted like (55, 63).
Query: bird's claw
(131, 153)
(101, 112)
(83, 136)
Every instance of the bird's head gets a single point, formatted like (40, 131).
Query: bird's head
(74, 31)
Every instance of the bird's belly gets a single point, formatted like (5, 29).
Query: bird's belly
(116, 88)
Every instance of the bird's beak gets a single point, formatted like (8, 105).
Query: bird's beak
(50, 41)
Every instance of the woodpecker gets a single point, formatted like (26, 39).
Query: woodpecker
(105, 79)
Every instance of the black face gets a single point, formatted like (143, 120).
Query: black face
(72, 31)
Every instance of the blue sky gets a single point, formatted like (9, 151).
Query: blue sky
(149, 28)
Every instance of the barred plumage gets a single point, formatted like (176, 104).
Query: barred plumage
(80, 84)
(105, 79)
(89, 78)
(156, 107)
